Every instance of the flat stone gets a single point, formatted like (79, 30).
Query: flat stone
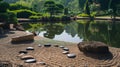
(30, 48)
(30, 61)
(65, 52)
(41, 63)
(66, 49)
(20, 55)
(71, 55)
(61, 46)
(56, 45)
(22, 38)
(47, 45)
(23, 51)
(27, 57)
(39, 45)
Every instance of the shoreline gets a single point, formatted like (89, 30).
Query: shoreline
(73, 18)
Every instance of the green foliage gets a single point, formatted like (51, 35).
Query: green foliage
(46, 15)
(93, 14)
(4, 6)
(66, 11)
(24, 13)
(53, 8)
(9, 17)
(103, 4)
(83, 15)
(86, 8)
(4, 17)
(65, 18)
(18, 6)
(35, 17)
(12, 17)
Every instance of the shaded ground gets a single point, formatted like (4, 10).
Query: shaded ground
(53, 55)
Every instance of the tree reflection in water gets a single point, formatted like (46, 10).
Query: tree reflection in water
(104, 31)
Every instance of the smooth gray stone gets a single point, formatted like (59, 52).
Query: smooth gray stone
(30, 48)
(61, 46)
(66, 49)
(71, 55)
(47, 45)
(27, 57)
(42, 63)
(23, 51)
(30, 61)
(39, 45)
(65, 52)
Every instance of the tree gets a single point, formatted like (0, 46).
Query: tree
(113, 4)
(103, 4)
(66, 11)
(4, 6)
(53, 8)
(49, 7)
(86, 8)
(59, 8)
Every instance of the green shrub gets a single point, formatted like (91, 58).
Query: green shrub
(34, 17)
(4, 6)
(93, 14)
(24, 13)
(8, 17)
(4, 17)
(12, 17)
(83, 15)
(65, 18)
(18, 6)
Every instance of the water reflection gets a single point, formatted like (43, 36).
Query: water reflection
(77, 31)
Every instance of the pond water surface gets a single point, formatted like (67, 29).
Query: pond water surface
(78, 31)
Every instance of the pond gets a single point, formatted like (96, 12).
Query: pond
(78, 31)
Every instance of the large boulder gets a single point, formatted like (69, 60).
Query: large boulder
(23, 38)
(93, 47)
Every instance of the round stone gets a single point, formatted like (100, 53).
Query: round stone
(71, 55)
(20, 55)
(39, 45)
(61, 46)
(47, 45)
(30, 61)
(66, 49)
(65, 52)
(42, 63)
(56, 45)
(27, 57)
(30, 48)
(23, 51)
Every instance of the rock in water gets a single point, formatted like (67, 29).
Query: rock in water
(71, 55)
(30, 61)
(93, 47)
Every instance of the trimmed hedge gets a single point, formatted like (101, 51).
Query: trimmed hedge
(8, 17)
(24, 13)
(34, 17)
